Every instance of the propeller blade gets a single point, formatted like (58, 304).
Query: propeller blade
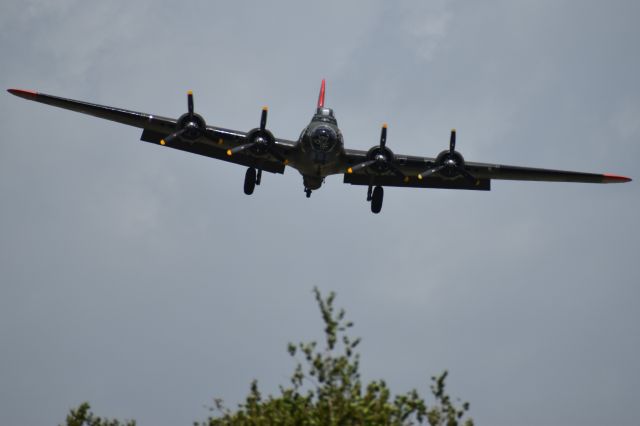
(452, 142)
(360, 166)
(190, 102)
(383, 136)
(240, 148)
(263, 118)
(430, 172)
(172, 136)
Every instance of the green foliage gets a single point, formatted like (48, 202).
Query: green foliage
(82, 416)
(326, 389)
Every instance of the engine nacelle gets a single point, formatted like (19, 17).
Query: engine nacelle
(193, 125)
(381, 157)
(262, 139)
(452, 161)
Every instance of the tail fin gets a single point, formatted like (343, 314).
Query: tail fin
(321, 95)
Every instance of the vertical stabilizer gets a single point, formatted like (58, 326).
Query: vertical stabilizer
(321, 95)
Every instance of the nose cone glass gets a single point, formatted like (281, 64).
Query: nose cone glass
(323, 139)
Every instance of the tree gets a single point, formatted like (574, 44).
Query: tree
(83, 416)
(325, 389)
(328, 389)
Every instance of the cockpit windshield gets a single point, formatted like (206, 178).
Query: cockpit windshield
(324, 114)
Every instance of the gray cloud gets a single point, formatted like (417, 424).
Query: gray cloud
(143, 280)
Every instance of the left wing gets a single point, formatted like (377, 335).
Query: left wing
(379, 166)
(505, 172)
(409, 167)
(209, 141)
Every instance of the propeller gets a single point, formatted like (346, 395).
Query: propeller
(380, 158)
(262, 140)
(452, 141)
(190, 125)
(449, 163)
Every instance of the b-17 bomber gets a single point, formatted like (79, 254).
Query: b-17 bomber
(318, 152)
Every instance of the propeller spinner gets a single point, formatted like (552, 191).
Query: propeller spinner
(449, 163)
(190, 125)
(381, 159)
(262, 140)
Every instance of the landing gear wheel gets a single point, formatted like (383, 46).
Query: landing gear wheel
(376, 199)
(308, 192)
(250, 181)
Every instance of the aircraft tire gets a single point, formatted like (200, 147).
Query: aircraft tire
(250, 181)
(376, 199)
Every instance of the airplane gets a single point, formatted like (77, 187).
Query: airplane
(319, 152)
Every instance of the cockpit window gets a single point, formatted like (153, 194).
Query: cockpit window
(325, 114)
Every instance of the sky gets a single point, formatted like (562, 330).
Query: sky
(143, 280)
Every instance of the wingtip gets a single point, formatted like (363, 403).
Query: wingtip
(27, 94)
(610, 178)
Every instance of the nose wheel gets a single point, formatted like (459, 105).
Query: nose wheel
(375, 197)
(307, 192)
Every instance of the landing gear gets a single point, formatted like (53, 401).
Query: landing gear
(369, 193)
(259, 177)
(376, 199)
(250, 180)
(307, 191)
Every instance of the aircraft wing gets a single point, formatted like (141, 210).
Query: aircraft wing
(211, 141)
(505, 172)
(409, 171)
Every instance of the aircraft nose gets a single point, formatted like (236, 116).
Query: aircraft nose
(323, 139)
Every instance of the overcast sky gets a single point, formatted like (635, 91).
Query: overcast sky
(143, 280)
